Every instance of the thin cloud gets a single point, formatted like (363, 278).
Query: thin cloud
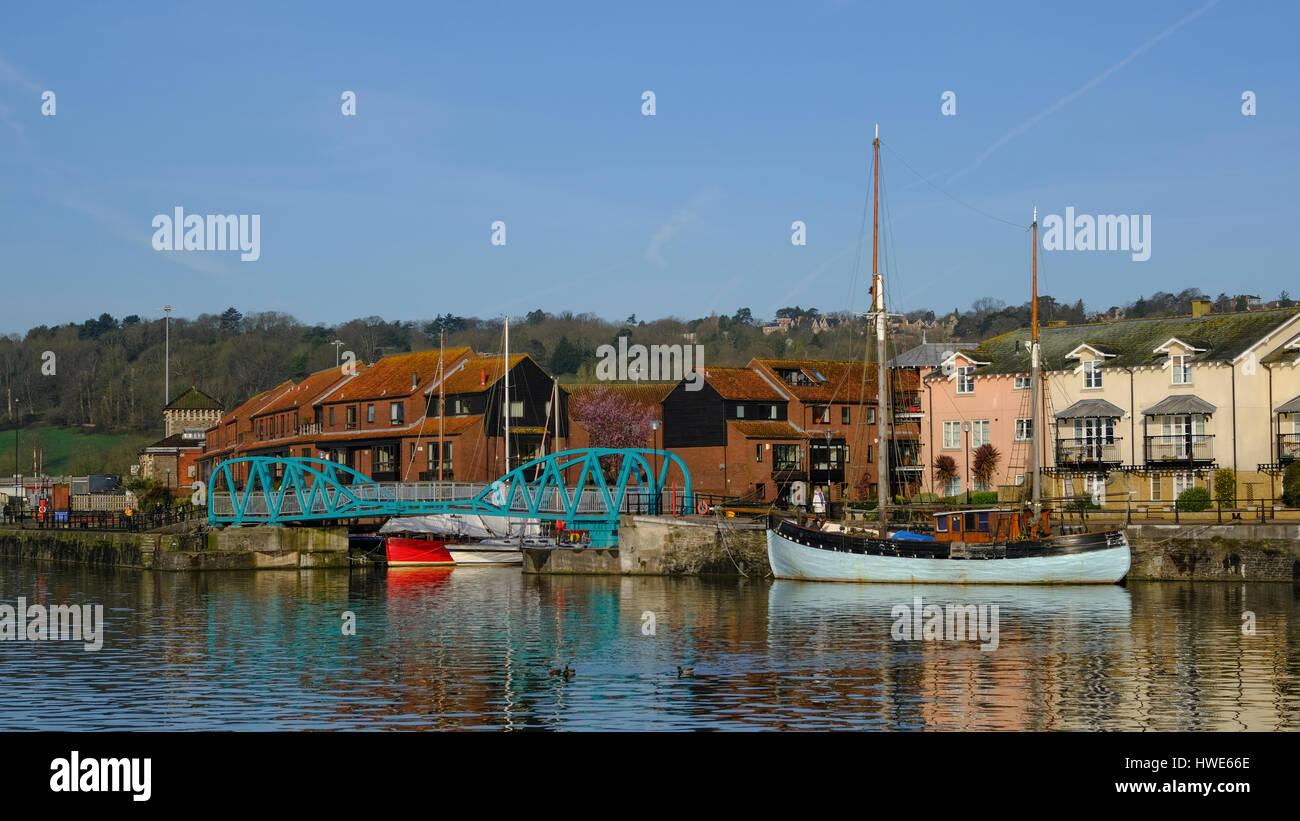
(1067, 99)
(680, 221)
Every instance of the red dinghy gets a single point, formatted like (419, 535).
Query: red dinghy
(416, 552)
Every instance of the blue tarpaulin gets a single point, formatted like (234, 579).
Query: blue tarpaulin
(911, 537)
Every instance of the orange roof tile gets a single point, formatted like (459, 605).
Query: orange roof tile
(303, 394)
(768, 430)
(477, 374)
(391, 375)
(841, 380)
(740, 383)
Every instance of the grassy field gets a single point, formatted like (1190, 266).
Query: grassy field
(70, 451)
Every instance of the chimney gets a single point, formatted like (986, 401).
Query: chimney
(415, 382)
(1201, 307)
(482, 377)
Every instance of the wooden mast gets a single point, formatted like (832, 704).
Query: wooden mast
(882, 373)
(1035, 387)
(442, 410)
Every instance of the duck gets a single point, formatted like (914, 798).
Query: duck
(685, 672)
(568, 673)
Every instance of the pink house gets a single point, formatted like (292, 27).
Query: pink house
(963, 411)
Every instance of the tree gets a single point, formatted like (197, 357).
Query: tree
(567, 357)
(535, 317)
(1291, 485)
(945, 470)
(984, 464)
(1241, 303)
(1284, 299)
(612, 420)
(232, 321)
(1225, 486)
(744, 316)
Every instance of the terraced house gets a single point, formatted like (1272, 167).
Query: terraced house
(383, 419)
(1139, 409)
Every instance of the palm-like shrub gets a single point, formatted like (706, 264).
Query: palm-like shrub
(945, 470)
(984, 464)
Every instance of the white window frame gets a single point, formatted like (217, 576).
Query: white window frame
(1024, 429)
(1186, 480)
(1091, 374)
(965, 379)
(1180, 367)
(956, 428)
(1156, 495)
(981, 433)
(954, 487)
(1022, 382)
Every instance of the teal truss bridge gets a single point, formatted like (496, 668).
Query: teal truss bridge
(570, 486)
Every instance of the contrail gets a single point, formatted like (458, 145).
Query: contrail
(1061, 103)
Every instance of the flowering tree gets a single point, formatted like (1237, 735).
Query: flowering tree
(613, 420)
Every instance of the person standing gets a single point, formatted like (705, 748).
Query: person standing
(819, 502)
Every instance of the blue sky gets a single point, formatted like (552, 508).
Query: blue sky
(530, 113)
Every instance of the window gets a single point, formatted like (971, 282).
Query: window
(1024, 430)
(844, 415)
(370, 413)
(1183, 481)
(352, 416)
(384, 459)
(821, 414)
(966, 379)
(1022, 382)
(758, 453)
(460, 407)
(871, 416)
(1020, 479)
(979, 433)
(1092, 373)
(772, 412)
(951, 435)
(1155, 488)
(517, 409)
(433, 457)
(870, 454)
(1094, 486)
(1182, 370)
(331, 416)
(786, 457)
(941, 524)
(740, 411)
(396, 412)
(954, 486)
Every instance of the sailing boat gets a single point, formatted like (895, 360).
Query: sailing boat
(985, 546)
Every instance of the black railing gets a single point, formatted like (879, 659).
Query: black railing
(107, 520)
(1186, 447)
(1079, 450)
(1288, 447)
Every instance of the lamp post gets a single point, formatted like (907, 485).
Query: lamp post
(965, 427)
(827, 480)
(167, 356)
(654, 483)
(338, 343)
(18, 420)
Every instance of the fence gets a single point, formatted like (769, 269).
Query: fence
(106, 520)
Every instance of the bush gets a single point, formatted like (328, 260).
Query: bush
(925, 498)
(1194, 499)
(1225, 487)
(984, 497)
(1291, 485)
(1081, 503)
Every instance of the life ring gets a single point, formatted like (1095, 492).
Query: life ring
(702, 508)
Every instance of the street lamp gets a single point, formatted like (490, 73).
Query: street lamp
(18, 418)
(338, 343)
(167, 356)
(654, 484)
(965, 427)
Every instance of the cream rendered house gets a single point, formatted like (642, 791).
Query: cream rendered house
(1145, 408)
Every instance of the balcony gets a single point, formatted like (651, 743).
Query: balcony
(1190, 449)
(1288, 448)
(310, 429)
(1099, 452)
(788, 470)
(907, 407)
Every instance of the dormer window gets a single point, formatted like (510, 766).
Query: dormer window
(1092, 373)
(1181, 367)
(965, 379)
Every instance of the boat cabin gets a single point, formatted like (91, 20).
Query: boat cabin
(985, 525)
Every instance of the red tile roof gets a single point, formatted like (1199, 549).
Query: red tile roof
(842, 380)
(740, 383)
(768, 430)
(391, 375)
(477, 374)
(304, 393)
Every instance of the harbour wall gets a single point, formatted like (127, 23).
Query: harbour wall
(237, 548)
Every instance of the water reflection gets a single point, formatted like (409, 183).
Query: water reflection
(442, 648)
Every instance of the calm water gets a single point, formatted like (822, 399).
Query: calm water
(470, 648)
